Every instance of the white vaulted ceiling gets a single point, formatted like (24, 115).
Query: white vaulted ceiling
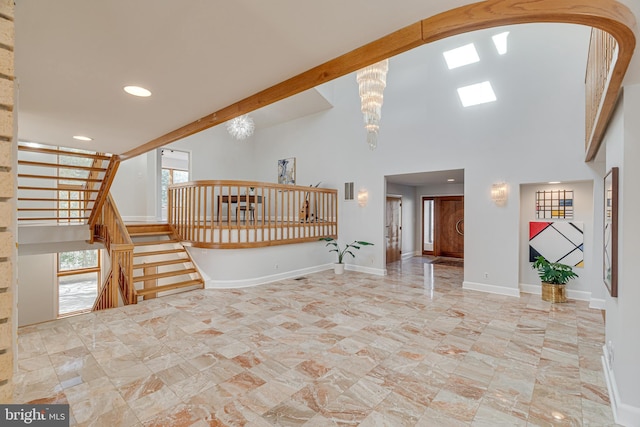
(196, 56)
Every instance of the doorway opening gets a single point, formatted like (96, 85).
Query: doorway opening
(443, 226)
(393, 231)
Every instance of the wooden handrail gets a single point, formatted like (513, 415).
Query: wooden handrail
(229, 214)
(64, 152)
(103, 192)
(59, 166)
(111, 230)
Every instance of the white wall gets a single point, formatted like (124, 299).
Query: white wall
(622, 313)
(588, 286)
(214, 155)
(134, 188)
(37, 296)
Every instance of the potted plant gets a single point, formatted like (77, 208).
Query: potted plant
(338, 267)
(554, 276)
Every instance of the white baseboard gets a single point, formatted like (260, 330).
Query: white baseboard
(623, 414)
(408, 255)
(597, 303)
(244, 283)
(531, 289)
(492, 289)
(368, 270)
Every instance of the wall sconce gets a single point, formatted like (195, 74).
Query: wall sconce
(363, 198)
(499, 193)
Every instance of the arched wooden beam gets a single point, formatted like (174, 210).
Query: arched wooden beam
(608, 15)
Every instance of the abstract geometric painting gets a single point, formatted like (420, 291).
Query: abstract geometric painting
(554, 204)
(557, 242)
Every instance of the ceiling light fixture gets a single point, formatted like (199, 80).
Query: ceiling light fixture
(82, 138)
(500, 41)
(463, 55)
(371, 83)
(451, 180)
(137, 91)
(241, 127)
(479, 93)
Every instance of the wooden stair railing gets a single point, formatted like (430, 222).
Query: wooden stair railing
(103, 191)
(110, 229)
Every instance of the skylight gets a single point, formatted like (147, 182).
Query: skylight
(479, 93)
(460, 56)
(500, 41)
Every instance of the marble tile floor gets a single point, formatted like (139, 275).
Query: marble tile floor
(408, 349)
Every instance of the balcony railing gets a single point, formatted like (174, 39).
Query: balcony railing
(240, 214)
(602, 55)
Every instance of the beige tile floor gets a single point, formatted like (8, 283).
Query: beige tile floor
(325, 350)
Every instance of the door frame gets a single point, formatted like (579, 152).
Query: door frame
(399, 198)
(436, 232)
(433, 248)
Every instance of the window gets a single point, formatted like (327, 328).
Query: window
(428, 224)
(169, 177)
(72, 197)
(175, 170)
(78, 281)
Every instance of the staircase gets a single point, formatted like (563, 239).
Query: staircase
(160, 262)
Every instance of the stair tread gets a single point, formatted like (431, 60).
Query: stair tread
(151, 253)
(156, 242)
(147, 291)
(161, 263)
(164, 274)
(149, 233)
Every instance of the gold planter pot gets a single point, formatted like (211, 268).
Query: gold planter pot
(554, 293)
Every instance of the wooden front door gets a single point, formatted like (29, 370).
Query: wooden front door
(449, 230)
(394, 228)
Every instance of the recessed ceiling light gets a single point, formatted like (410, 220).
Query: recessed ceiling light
(479, 93)
(137, 91)
(451, 180)
(554, 182)
(82, 138)
(500, 41)
(460, 56)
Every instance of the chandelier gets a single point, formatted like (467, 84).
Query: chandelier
(241, 127)
(371, 83)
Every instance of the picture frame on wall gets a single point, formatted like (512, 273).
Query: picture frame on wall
(610, 267)
(287, 171)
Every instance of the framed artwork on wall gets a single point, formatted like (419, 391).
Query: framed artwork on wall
(557, 241)
(554, 204)
(287, 171)
(610, 267)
